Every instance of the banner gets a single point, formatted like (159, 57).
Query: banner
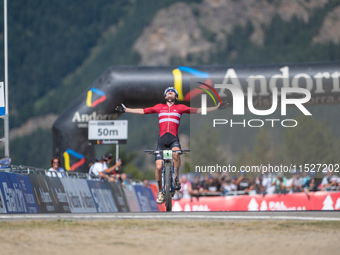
(119, 197)
(131, 197)
(289, 202)
(2, 195)
(42, 194)
(58, 194)
(142, 198)
(154, 189)
(13, 195)
(102, 196)
(30, 202)
(74, 199)
(151, 198)
(85, 194)
(2, 203)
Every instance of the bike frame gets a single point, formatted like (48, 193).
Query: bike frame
(168, 162)
(168, 174)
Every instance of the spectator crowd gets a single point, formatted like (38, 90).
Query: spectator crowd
(214, 184)
(268, 183)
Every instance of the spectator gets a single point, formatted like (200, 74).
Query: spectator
(146, 183)
(56, 169)
(257, 183)
(185, 190)
(204, 182)
(124, 179)
(233, 180)
(112, 171)
(221, 179)
(297, 182)
(243, 183)
(306, 177)
(325, 178)
(267, 181)
(289, 181)
(330, 180)
(97, 171)
(228, 187)
(311, 184)
(280, 184)
(211, 186)
(195, 187)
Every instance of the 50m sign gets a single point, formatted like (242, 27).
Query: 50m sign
(108, 130)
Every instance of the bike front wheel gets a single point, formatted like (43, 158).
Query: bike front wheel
(168, 197)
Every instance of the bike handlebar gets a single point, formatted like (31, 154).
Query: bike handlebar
(160, 151)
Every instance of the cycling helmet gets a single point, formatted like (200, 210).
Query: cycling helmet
(171, 88)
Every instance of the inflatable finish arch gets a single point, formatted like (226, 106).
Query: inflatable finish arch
(138, 86)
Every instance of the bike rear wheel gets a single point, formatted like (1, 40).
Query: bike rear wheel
(168, 197)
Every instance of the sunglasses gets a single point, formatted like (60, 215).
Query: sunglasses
(56, 162)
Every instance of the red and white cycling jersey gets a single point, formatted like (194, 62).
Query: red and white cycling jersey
(169, 116)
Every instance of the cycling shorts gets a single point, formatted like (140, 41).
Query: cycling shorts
(166, 141)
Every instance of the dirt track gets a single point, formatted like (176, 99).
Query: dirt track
(151, 236)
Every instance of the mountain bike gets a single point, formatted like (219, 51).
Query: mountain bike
(168, 178)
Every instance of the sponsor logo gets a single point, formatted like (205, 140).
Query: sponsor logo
(190, 208)
(103, 199)
(37, 195)
(2, 204)
(273, 206)
(76, 155)
(89, 98)
(87, 200)
(41, 196)
(61, 196)
(55, 197)
(84, 118)
(74, 200)
(14, 198)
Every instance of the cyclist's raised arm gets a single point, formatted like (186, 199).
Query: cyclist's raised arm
(135, 111)
(214, 108)
(209, 109)
(121, 109)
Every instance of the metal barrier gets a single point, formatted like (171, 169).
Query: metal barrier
(22, 169)
(331, 188)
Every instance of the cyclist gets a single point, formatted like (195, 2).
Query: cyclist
(169, 115)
